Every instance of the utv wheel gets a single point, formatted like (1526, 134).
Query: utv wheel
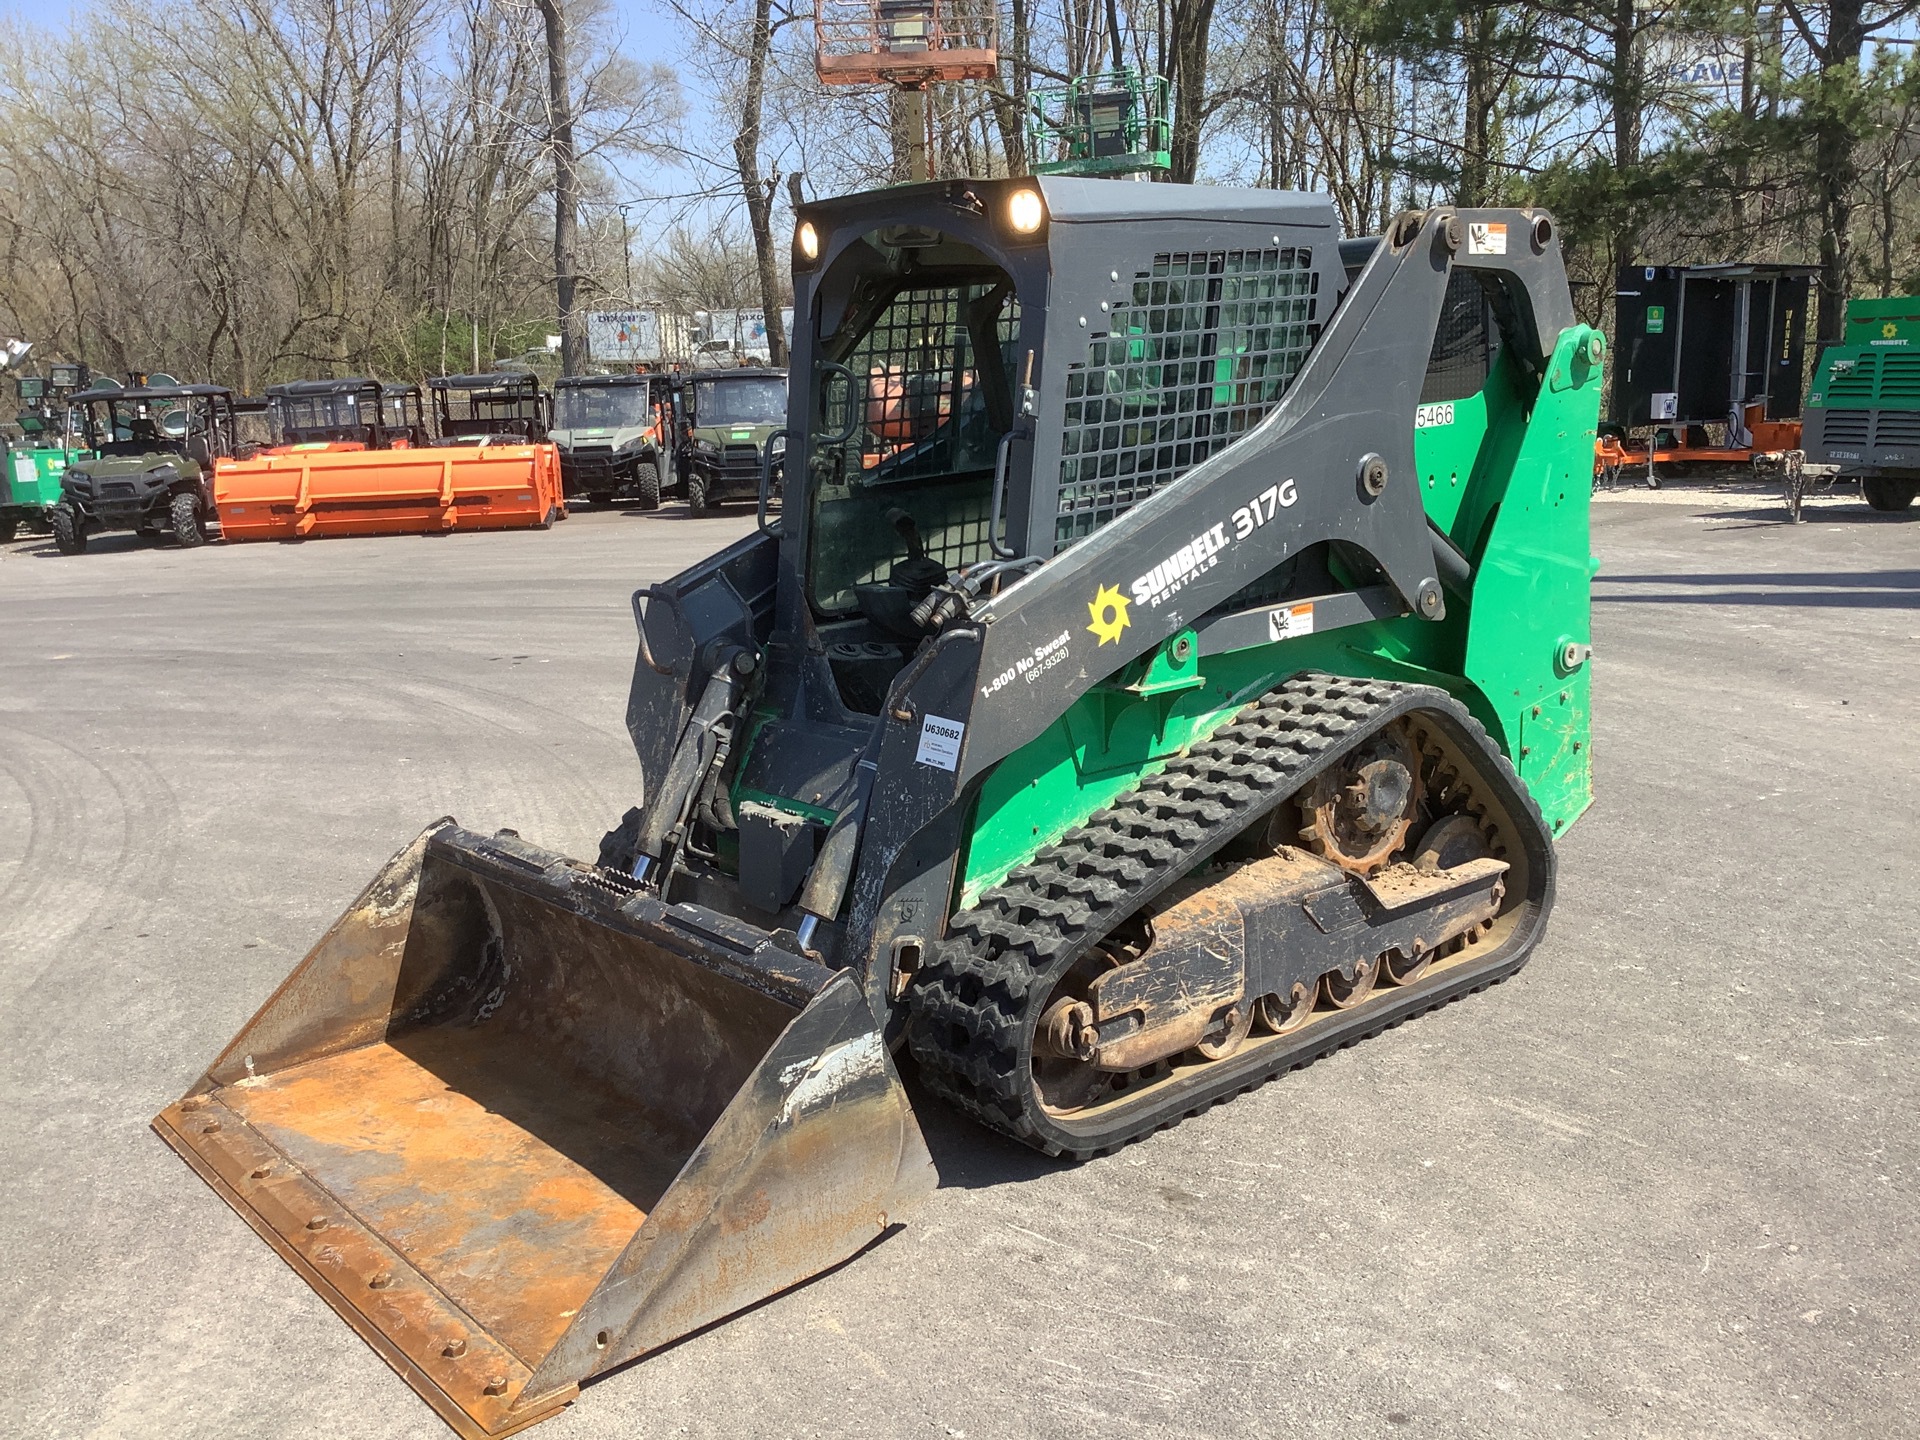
(1885, 493)
(68, 537)
(697, 500)
(646, 484)
(185, 512)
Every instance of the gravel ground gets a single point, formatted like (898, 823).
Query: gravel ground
(1661, 1183)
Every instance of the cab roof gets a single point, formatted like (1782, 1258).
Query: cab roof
(500, 380)
(155, 392)
(347, 385)
(739, 372)
(568, 382)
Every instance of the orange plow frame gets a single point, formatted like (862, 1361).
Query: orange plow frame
(388, 492)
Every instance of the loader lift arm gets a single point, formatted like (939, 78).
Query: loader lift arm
(1352, 402)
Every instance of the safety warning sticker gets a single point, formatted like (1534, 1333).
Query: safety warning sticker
(1289, 621)
(1486, 237)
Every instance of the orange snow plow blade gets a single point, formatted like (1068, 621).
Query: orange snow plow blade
(388, 492)
(518, 1123)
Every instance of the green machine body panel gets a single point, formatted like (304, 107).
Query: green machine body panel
(1891, 319)
(31, 482)
(1863, 410)
(1506, 474)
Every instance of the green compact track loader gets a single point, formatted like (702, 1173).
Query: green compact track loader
(1170, 664)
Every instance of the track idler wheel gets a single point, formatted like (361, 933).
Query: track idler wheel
(1232, 1026)
(1344, 992)
(1064, 1075)
(1284, 1015)
(1402, 968)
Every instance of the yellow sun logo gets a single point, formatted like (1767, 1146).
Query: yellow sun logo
(1889, 330)
(1108, 610)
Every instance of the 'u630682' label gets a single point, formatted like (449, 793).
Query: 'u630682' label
(940, 742)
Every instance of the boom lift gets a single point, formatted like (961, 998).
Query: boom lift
(1111, 123)
(908, 44)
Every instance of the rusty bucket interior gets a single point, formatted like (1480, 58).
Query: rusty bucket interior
(519, 1124)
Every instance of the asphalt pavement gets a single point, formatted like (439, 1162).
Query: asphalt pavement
(1662, 1183)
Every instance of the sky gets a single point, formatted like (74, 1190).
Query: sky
(707, 125)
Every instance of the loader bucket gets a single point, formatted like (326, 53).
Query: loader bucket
(336, 491)
(519, 1125)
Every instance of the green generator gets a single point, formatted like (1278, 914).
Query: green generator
(30, 480)
(1863, 413)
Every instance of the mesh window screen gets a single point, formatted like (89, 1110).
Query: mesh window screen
(923, 436)
(919, 370)
(1199, 355)
(1464, 343)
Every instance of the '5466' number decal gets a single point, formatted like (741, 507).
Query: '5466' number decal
(1262, 508)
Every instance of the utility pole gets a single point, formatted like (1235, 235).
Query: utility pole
(626, 254)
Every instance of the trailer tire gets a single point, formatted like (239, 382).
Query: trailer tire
(184, 511)
(69, 538)
(1883, 492)
(646, 484)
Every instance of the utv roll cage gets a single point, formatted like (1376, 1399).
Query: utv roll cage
(354, 410)
(469, 409)
(197, 421)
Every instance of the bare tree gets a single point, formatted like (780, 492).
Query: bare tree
(566, 190)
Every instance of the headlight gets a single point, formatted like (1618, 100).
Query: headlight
(1025, 211)
(779, 445)
(706, 447)
(808, 239)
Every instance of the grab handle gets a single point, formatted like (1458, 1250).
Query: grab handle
(766, 478)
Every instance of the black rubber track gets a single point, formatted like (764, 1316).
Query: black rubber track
(976, 1001)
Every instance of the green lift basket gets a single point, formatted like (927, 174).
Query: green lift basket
(1110, 123)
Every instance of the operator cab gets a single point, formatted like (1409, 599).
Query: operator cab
(913, 395)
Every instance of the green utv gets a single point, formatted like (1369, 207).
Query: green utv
(152, 467)
(1863, 412)
(34, 464)
(1169, 665)
(615, 434)
(727, 419)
